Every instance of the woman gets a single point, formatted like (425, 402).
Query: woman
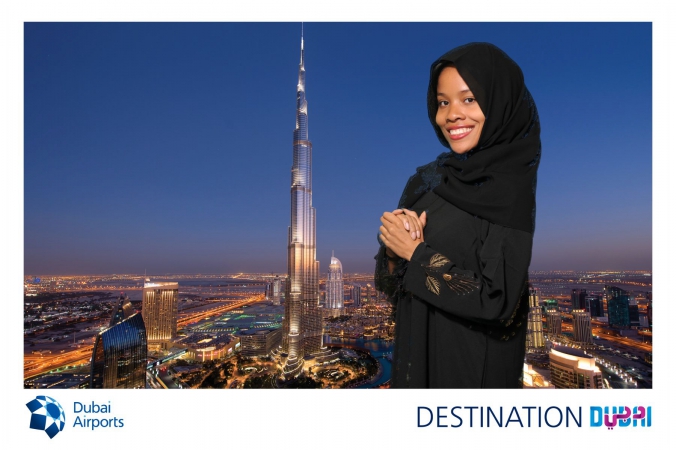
(454, 257)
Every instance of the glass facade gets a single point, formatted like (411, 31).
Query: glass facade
(302, 326)
(120, 356)
(617, 304)
(594, 305)
(121, 311)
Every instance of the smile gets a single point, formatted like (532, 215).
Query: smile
(459, 133)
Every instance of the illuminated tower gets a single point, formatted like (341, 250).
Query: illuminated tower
(334, 287)
(535, 339)
(553, 322)
(120, 354)
(582, 333)
(302, 326)
(160, 312)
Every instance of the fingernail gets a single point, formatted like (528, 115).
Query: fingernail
(418, 234)
(406, 226)
(413, 235)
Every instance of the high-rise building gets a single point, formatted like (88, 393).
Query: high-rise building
(617, 305)
(334, 287)
(573, 369)
(120, 354)
(578, 298)
(535, 339)
(302, 325)
(634, 317)
(553, 322)
(356, 295)
(575, 299)
(121, 311)
(594, 305)
(582, 333)
(276, 291)
(160, 312)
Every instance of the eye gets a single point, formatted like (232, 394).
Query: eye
(470, 100)
(442, 103)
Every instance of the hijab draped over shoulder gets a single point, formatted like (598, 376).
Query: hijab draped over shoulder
(497, 179)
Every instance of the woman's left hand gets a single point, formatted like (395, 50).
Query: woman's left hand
(396, 237)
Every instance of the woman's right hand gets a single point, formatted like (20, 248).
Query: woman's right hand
(409, 223)
(412, 222)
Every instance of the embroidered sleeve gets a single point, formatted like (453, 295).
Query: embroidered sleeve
(491, 297)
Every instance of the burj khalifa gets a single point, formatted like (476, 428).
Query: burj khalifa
(302, 325)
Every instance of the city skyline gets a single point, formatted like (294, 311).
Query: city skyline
(94, 91)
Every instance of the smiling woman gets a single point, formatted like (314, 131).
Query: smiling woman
(458, 112)
(454, 256)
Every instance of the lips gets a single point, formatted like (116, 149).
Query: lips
(457, 133)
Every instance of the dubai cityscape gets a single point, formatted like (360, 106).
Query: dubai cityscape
(128, 284)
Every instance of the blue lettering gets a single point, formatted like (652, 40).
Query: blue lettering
(595, 416)
(75, 407)
(489, 413)
(528, 408)
(457, 417)
(439, 416)
(431, 416)
(471, 413)
(518, 419)
(569, 413)
(560, 417)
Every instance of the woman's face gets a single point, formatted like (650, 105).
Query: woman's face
(458, 115)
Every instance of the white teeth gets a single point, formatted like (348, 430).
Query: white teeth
(460, 131)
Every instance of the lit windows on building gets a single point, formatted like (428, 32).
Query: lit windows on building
(334, 287)
(573, 369)
(160, 311)
(535, 339)
(582, 332)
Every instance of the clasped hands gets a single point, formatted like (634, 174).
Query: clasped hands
(402, 231)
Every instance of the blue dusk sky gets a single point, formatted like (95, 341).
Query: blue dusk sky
(167, 147)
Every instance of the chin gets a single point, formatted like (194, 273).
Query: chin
(460, 151)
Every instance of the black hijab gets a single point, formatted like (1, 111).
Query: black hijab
(497, 179)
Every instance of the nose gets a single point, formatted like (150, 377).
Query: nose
(454, 112)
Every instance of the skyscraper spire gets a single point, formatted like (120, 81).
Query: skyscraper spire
(302, 326)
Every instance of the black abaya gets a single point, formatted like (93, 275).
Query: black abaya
(460, 316)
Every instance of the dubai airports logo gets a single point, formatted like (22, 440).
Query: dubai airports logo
(46, 415)
(620, 416)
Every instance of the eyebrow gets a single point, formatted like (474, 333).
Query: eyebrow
(464, 91)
